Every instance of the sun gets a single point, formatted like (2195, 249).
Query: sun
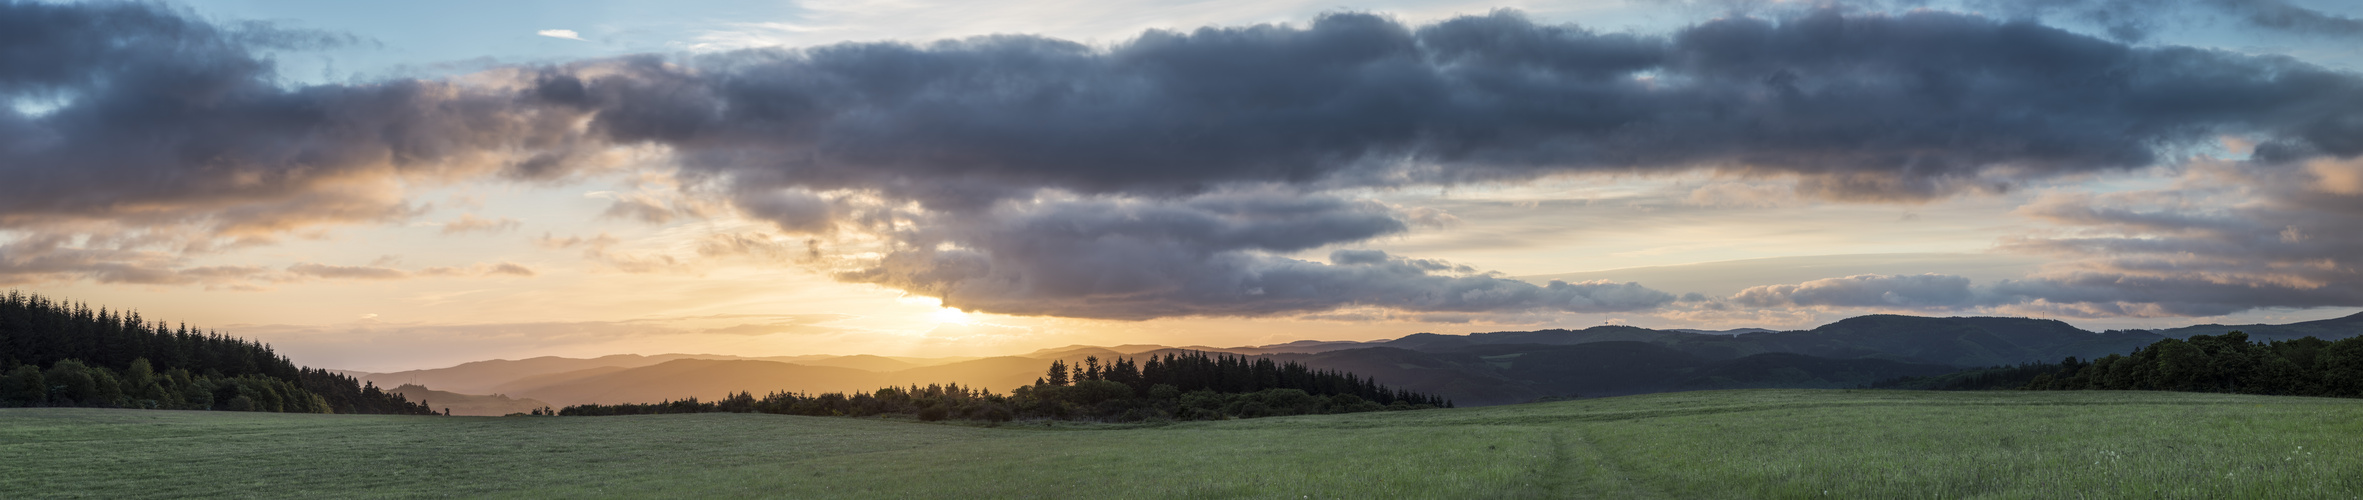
(951, 315)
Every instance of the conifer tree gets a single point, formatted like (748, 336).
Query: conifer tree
(1058, 373)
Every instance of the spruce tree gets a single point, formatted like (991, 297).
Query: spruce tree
(1058, 373)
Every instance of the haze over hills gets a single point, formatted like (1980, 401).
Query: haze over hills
(498, 375)
(713, 377)
(1473, 369)
(468, 404)
(704, 379)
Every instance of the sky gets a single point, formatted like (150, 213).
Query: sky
(373, 186)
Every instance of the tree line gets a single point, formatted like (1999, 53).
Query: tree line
(2227, 363)
(1193, 386)
(58, 354)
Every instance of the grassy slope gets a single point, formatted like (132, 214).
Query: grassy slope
(1720, 444)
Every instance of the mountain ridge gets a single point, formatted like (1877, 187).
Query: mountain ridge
(1474, 369)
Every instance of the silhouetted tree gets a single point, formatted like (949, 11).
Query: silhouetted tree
(1058, 373)
(118, 359)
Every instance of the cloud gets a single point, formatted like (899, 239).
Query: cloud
(168, 136)
(1867, 106)
(347, 272)
(1924, 291)
(372, 272)
(566, 34)
(645, 207)
(471, 223)
(52, 259)
(511, 270)
(796, 324)
(2135, 20)
(168, 120)
(499, 269)
(1171, 174)
(1208, 255)
(46, 259)
(549, 241)
(1019, 152)
(1743, 195)
(2228, 236)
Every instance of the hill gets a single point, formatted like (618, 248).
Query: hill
(517, 376)
(469, 404)
(703, 379)
(1516, 373)
(711, 379)
(863, 362)
(1473, 369)
(1964, 342)
(2328, 329)
(483, 377)
(1711, 444)
(1957, 341)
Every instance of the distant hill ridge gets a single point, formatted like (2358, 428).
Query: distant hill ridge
(2327, 329)
(1472, 369)
(469, 404)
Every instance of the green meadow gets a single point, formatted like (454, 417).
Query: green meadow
(1715, 444)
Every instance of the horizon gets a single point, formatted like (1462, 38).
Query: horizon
(390, 188)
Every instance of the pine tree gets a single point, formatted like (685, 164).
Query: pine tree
(1058, 373)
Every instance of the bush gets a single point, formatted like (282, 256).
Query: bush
(1165, 392)
(72, 382)
(1093, 392)
(24, 386)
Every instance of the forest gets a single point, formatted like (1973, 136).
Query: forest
(58, 354)
(2227, 363)
(1192, 386)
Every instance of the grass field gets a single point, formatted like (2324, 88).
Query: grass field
(1718, 444)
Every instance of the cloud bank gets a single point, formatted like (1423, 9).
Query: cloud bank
(1187, 173)
(1905, 106)
(2135, 20)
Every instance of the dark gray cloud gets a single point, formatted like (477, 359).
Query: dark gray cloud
(1171, 174)
(2231, 236)
(2138, 19)
(1209, 255)
(2091, 290)
(133, 135)
(1867, 106)
(1127, 142)
(147, 116)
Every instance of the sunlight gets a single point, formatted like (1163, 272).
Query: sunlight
(951, 315)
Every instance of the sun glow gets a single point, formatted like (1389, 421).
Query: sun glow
(951, 315)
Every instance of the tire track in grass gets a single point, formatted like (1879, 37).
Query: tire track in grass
(1581, 470)
(1555, 475)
